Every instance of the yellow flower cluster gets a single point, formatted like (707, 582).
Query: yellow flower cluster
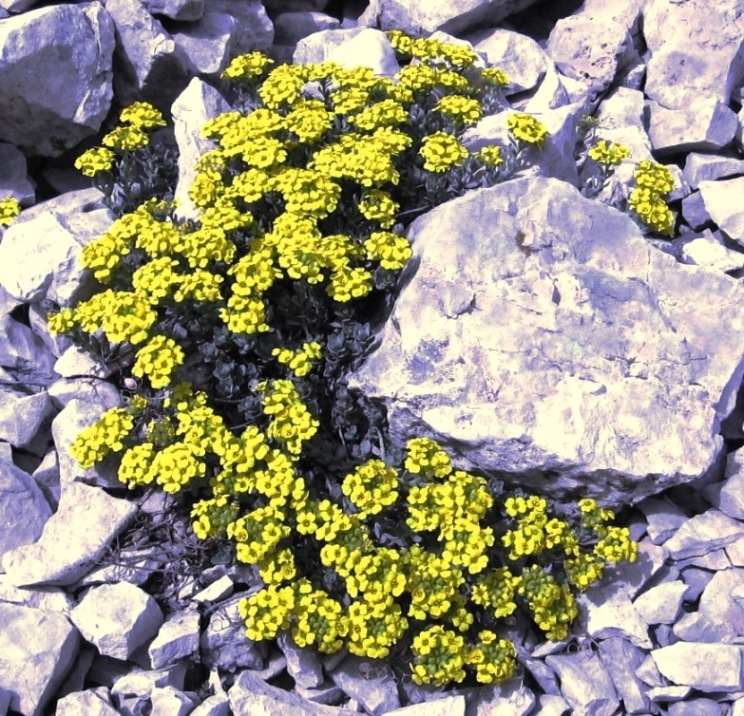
(142, 115)
(442, 152)
(377, 205)
(258, 533)
(607, 153)
(157, 360)
(103, 437)
(647, 200)
(426, 457)
(95, 161)
(371, 487)
(495, 76)
(245, 68)
(494, 659)
(392, 251)
(535, 533)
(496, 590)
(460, 110)
(374, 627)
(553, 606)
(439, 656)
(432, 51)
(525, 128)
(317, 619)
(9, 209)
(432, 582)
(292, 423)
(300, 362)
(491, 156)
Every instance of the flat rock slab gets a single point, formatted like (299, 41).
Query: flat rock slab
(538, 333)
(705, 667)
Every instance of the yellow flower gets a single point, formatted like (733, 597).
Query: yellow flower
(442, 152)
(127, 138)
(527, 129)
(245, 68)
(608, 154)
(94, 161)
(142, 115)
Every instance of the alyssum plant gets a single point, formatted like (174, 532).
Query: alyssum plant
(263, 303)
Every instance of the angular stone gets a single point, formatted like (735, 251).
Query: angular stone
(449, 706)
(291, 27)
(38, 321)
(217, 705)
(669, 694)
(74, 538)
(661, 604)
(705, 667)
(93, 702)
(14, 180)
(65, 390)
(694, 211)
(327, 693)
(184, 10)
(555, 159)
(117, 618)
(419, 17)
(55, 76)
(141, 682)
(696, 580)
(39, 647)
(178, 638)
(511, 698)
(131, 565)
(148, 67)
(585, 683)
(552, 705)
(717, 197)
(42, 256)
(518, 55)
(621, 660)
(24, 355)
(551, 94)
(696, 50)
(169, 701)
(217, 591)
(542, 673)
(224, 644)
(368, 48)
(735, 552)
(50, 599)
(303, 664)
(227, 28)
(695, 707)
(513, 354)
(23, 508)
(710, 252)
(375, 690)
(22, 415)
(702, 534)
(250, 695)
(719, 616)
(664, 518)
(710, 167)
(728, 496)
(716, 561)
(703, 125)
(191, 110)
(316, 47)
(75, 362)
(606, 612)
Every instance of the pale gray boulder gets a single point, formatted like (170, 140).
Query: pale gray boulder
(23, 508)
(375, 691)
(661, 604)
(39, 647)
(147, 65)
(275, 7)
(177, 638)
(16, 6)
(720, 615)
(422, 17)
(711, 252)
(607, 612)
(552, 92)
(663, 518)
(585, 683)
(141, 682)
(552, 705)
(74, 362)
(224, 644)
(227, 28)
(24, 355)
(518, 55)
(703, 534)
(728, 496)
(705, 667)
(291, 27)
(74, 538)
(55, 76)
(709, 167)
(722, 200)
(41, 253)
(316, 47)
(303, 664)
(14, 179)
(703, 125)
(512, 698)
(117, 618)
(694, 212)
(22, 415)
(169, 701)
(368, 48)
(621, 659)
(183, 10)
(697, 50)
(448, 706)
(217, 705)
(49, 599)
(510, 343)
(695, 707)
(92, 702)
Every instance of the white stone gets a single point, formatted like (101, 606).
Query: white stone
(735, 552)
(694, 211)
(14, 180)
(39, 647)
(52, 99)
(50, 599)
(23, 508)
(551, 94)
(224, 644)
(217, 705)
(664, 518)
(291, 27)
(552, 705)
(368, 48)
(22, 415)
(606, 612)
(178, 638)
(75, 362)
(448, 706)
(117, 618)
(74, 538)
(184, 10)
(585, 683)
(710, 167)
(705, 125)
(511, 698)
(316, 47)
(374, 690)
(705, 667)
(711, 253)
(718, 197)
(303, 664)
(169, 701)
(661, 604)
(695, 707)
(728, 496)
(65, 390)
(86, 703)
(141, 682)
(217, 591)
(702, 534)
(621, 660)
(130, 564)
(669, 694)
(23, 353)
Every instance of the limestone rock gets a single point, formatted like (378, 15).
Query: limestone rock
(41, 257)
(178, 638)
(720, 615)
(695, 707)
(728, 496)
(423, 17)
(621, 659)
(511, 698)
(449, 706)
(141, 682)
(694, 211)
(368, 48)
(22, 415)
(316, 47)
(39, 648)
(551, 94)
(303, 664)
(24, 355)
(518, 55)
(168, 701)
(291, 27)
(50, 599)
(696, 50)
(552, 705)
(227, 28)
(374, 690)
(14, 181)
(65, 390)
(117, 618)
(705, 667)
(55, 76)
(23, 508)
(606, 612)
(73, 539)
(217, 591)
(217, 705)
(130, 564)
(585, 684)
(669, 694)
(224, 644)
(184, 10)
(709, 167)
(509, 344)
(661, 604)
(718, 197)
(194, 106)
(702, 534)
(663, 517)
(703, 125)
(93, 702)
(713, 254)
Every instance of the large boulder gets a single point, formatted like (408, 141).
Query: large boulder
(55, 76)
(422, 17)
(541, 339)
